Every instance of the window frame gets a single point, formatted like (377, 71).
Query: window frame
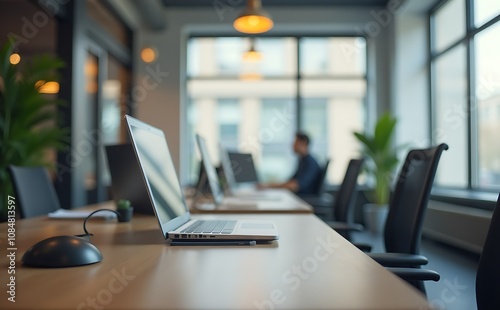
(297, 78)
(472, 194)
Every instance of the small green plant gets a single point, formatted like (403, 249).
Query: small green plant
(123, 204)
(381, 157)
(29, 120)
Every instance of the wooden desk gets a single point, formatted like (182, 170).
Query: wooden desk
(310, 267)
(283, 201)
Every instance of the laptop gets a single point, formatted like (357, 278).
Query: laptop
(248, 201)
(227, 169)
(230, 187)
(244, 167)
(126, 177)
(167, 199)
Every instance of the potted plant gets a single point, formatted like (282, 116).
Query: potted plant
(124, 208)
(29, 121)
(381, 160)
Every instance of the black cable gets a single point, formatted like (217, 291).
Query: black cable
(87, 234)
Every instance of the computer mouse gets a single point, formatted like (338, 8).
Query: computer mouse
(61, 251)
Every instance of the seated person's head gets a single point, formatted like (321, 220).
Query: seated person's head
(301, 144)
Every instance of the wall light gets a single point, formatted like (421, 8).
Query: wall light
(50, 87)
(15, 58)
(253, 20)
(149, 54)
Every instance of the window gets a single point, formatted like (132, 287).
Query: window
(333, 90)
(487, 94)
(466, 92)
(449, 23)
(256, 103)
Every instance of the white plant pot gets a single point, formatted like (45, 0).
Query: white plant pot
(375, 216)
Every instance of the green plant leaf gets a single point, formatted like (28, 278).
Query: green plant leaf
(29, 123)
(384, 130)
(381, 156)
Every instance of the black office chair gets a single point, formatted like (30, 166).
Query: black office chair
(403, 228)
(345, 200)
(319, 197)
(34, 191)
(488, 271)
(319, 184)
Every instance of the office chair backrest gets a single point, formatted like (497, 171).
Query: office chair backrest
(403, 228)
(34, 190)
(320, 180)
(346, 196)
(488, 272)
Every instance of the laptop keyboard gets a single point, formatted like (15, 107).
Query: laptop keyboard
(210, 227)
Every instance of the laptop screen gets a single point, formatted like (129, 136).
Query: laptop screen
(243, 167)
(159, 174)
(213, 179)
(226, 168)
(126, 177)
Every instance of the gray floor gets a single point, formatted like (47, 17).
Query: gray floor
(456, 289)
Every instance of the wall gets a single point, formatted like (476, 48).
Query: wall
(460, 226)
(160, 96)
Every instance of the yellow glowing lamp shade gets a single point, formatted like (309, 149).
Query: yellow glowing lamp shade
(50, 87)
(15, 58)
(252, 56)
(253, 24)
(148, 54)
(253, 20)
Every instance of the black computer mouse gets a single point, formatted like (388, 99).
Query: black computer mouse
(62, 251)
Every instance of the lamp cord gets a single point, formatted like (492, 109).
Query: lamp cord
(87, 234)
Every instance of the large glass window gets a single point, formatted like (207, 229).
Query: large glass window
(466, 92)
(333, 88)
(485, 10)
(255, 102)
(449, 23)
(487, 82)
(451, 115)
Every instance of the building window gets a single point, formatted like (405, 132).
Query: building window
(466, 91)
(256, 104)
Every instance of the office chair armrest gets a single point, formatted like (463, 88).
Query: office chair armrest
(413, 274)
(341, 226)
(398, 259)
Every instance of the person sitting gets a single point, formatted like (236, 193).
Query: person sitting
(303, 180)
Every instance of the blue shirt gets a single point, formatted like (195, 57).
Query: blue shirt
(307, 173)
